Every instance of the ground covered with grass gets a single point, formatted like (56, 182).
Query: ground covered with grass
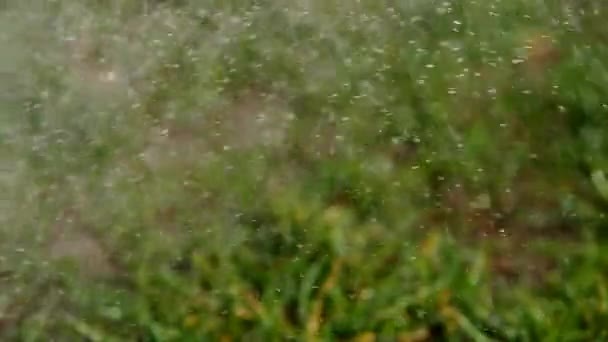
(309, 170)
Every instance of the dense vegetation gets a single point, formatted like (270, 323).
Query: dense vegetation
(310, 170)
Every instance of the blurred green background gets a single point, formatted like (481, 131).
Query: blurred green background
(316, 170)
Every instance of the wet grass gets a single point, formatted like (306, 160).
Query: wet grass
(249, 170)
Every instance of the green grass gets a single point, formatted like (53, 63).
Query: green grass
(316, 170)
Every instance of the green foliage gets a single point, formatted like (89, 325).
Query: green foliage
(319, 170)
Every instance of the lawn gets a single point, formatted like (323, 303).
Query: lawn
(317, 170)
